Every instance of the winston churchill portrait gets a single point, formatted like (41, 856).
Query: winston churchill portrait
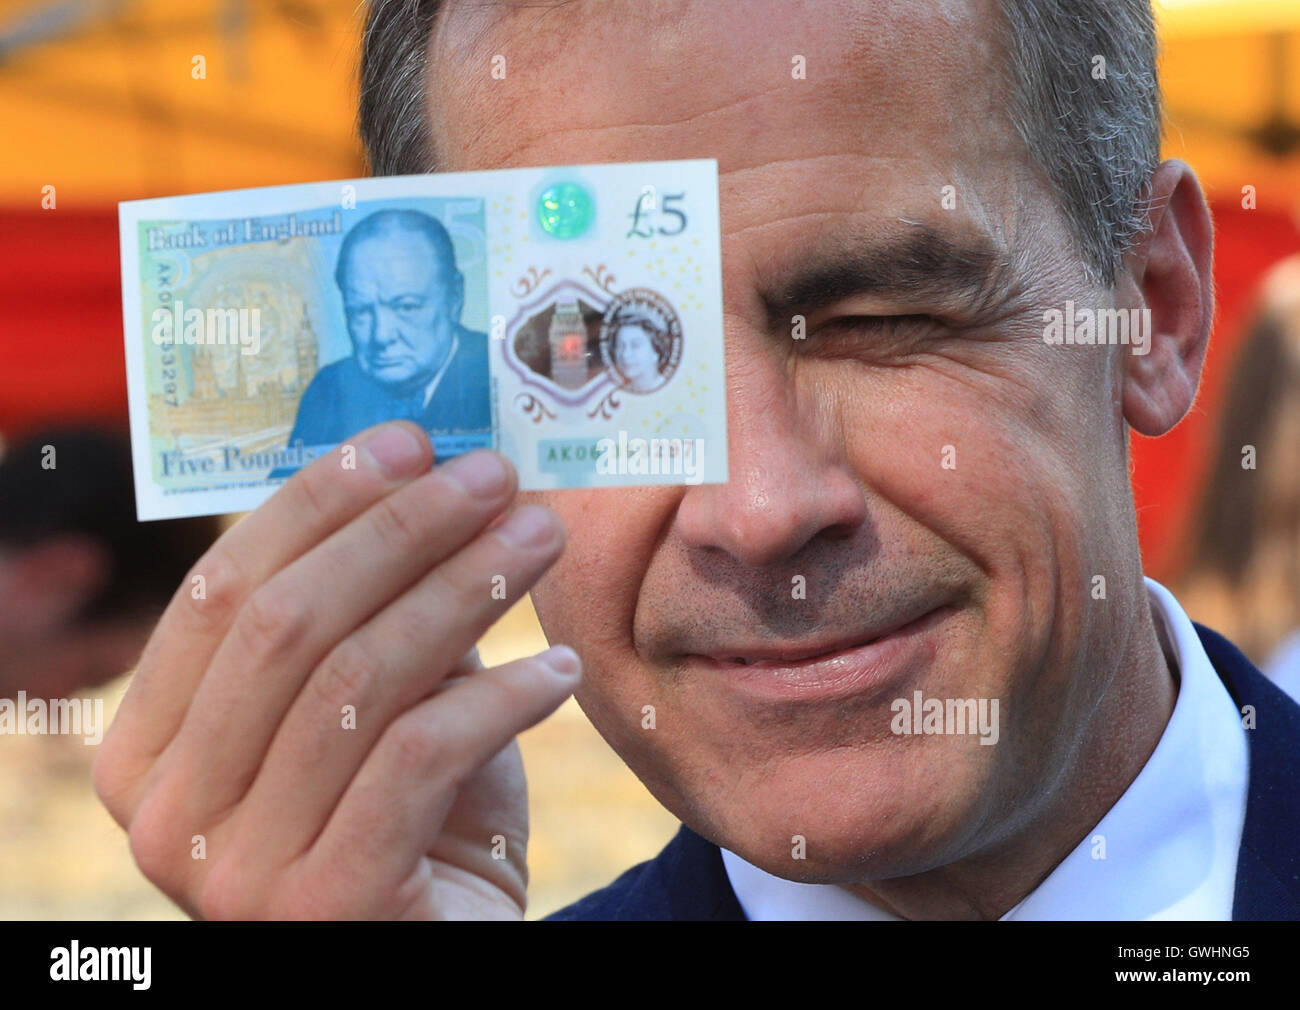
(412, 359)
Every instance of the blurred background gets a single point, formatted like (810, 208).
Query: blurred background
(99, 103)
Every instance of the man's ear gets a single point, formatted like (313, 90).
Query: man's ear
(1170, 272)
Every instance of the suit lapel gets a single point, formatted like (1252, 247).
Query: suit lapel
(1268, 866)
(697, 882)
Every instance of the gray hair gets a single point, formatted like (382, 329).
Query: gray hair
(1086, 102)
(1096, 138)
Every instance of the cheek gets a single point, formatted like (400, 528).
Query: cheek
(359, 330)
(1002, 472)
(427, 328)
(981, 446)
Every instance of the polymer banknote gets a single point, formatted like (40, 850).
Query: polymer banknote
(569, 317)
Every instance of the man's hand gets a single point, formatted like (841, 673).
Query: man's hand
(309, 733)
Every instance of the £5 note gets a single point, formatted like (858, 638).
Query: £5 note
(569, 317)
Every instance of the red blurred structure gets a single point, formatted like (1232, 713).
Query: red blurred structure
(61, 356)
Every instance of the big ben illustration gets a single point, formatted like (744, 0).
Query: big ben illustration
(568, 339)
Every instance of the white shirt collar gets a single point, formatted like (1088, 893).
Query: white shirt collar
(433, 385)
(1170, 841)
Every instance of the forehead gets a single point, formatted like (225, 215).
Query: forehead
(668, 74)
(384, 252)
(897, 100)
(393, 242)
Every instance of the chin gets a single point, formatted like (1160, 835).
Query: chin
(865, 813)
(755, 767)
(395, 377)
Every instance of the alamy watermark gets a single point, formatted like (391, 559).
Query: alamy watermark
(75, 963)
(82, 717)
(233, 327)
(679, 457)
(1128, 327)
(922, 716)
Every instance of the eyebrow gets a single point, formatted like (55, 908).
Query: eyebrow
(921, 265)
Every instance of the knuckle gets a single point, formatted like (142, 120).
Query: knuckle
(225, 895)
(398, 528)
(502, 694)
(158, 849)
(111, 782)
(450, 584)
(316, 490)
(224, 588)
(347, 676)
(416, 748)
(274, 621)
(515, 695)
(407, 630)
(317, 897)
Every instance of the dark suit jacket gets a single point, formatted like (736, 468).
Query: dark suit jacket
(341, 401)
(687, 879)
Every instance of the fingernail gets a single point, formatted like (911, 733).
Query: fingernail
(562, 660)
(396, 450)
(482, 474)
(528, 526)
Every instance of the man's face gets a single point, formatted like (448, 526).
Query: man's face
(401, 307)
(942, 484)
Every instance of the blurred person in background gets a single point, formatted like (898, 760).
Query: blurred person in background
(1245, 572)
(81, 580)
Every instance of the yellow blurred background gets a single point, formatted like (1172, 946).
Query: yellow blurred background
(102, 99)
(108, 100)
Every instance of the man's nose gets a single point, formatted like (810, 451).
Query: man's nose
(388, 327)
(789, 479)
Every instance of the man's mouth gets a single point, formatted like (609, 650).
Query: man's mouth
(779, 655)
(830, 667)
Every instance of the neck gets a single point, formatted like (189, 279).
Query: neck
(1122, 732)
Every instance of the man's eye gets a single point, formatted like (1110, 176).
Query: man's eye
(882, 327)
(409, 305)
